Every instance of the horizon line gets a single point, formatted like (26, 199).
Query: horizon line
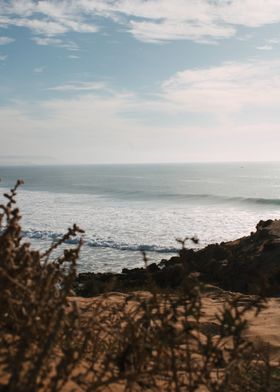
(134, 163)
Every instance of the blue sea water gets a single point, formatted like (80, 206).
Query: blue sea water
(128, 208)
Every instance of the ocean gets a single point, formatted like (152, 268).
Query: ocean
(128, 208)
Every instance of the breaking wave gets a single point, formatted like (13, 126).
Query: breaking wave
(228, 199)
(98, 242)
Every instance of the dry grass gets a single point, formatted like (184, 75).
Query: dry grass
(51, 341)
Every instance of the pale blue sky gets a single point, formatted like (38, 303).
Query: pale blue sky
(101, 81)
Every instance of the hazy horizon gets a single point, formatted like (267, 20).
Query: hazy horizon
(136, 163)
(137, 81)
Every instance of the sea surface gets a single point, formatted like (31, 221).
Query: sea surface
(128, 208)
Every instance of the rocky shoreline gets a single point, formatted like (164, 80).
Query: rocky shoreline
(250, 265)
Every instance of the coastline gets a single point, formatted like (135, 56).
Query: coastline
(126, 209)
(250, 265)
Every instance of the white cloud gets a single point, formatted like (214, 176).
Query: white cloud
(174, 30)
(195, 19)
(91, 128)
(225, 89)
(269, 44)
(152, 20)
(250, 13)
(45, 41)
(265, 47)
(45, 27)
(49, 41)
(86, 128)
(273, 41)
(39, 69)
(19, 7)
(46, 17)
(3, 57)
(80, 86)
(6, 40)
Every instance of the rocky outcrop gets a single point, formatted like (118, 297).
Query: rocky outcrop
(249, 265)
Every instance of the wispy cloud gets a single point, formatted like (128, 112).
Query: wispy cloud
(265, 47)
(273, 41)
(44, 27)
(269, 44)
(150, 21)
(226, 89)
(3, 57)
(47, 18)
(80, 86)
(196, 20)
(47, 41)
(75, 122)
(39, 69)
(174, 30)
(6, 40)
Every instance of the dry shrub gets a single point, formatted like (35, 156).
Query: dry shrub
(36, 326)
(154, 341)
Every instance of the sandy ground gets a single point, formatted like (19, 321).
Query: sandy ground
(263, 330)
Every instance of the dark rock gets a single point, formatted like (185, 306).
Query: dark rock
(249, 265)
(153, 268)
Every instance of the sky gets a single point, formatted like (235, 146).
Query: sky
(135, 81)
